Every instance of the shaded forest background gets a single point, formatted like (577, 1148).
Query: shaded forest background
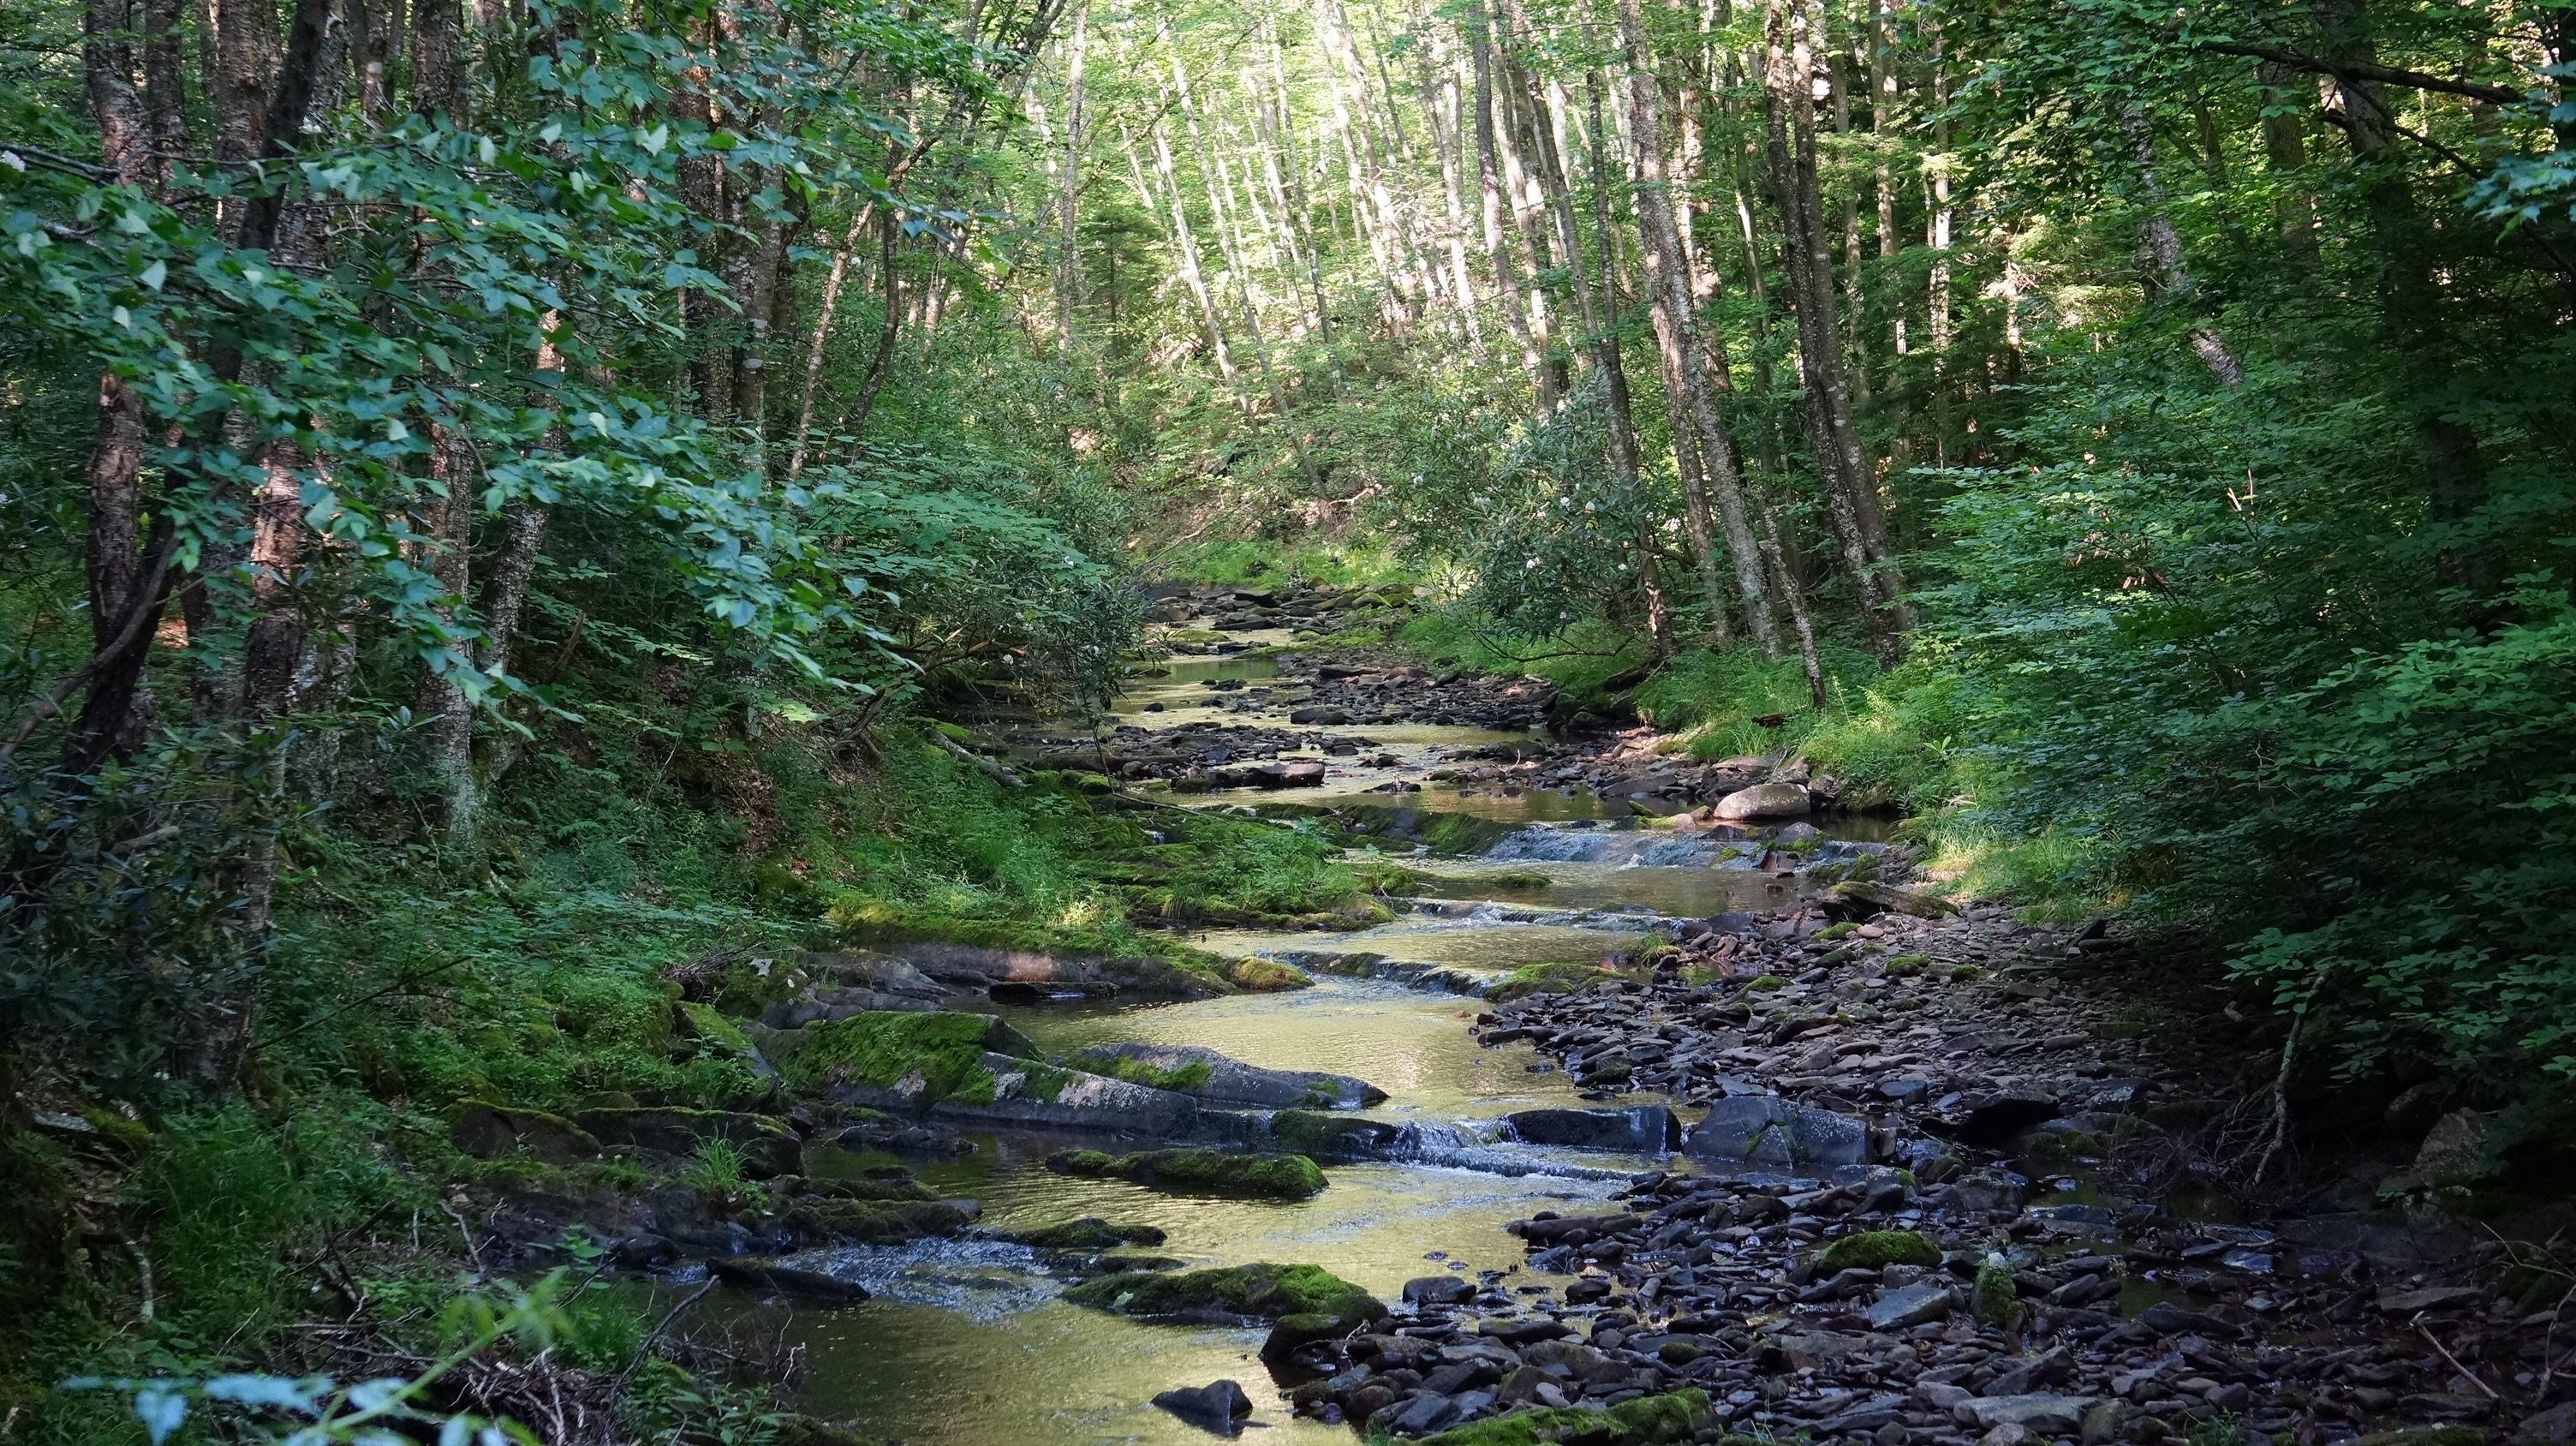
(491, 496)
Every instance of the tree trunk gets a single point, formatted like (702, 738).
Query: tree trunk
(1677, 343)
(2166, 277)
(1850, 489)
(1068, 259)
(1601, 341)
(1507, 283)
(2412, 307)
(1187, 253)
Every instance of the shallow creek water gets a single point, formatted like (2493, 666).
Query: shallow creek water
(966, 1343)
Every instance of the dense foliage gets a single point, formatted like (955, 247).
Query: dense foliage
(492, 500)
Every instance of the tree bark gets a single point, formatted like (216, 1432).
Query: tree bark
(2166, 277)
(1515, 302)
(1850, 489)
(1694, 411)
(1068, 258)
(1601, 341)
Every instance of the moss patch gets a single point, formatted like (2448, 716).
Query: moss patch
(1243, 1292)
(1546, 979)
(1201, 1172)
(879, 1049)
(1764, 983)
(1873, 1249)
(1645, 1422)
(1265, 976)
(1136, 1071)
(1998, 1298)
(873, 1222)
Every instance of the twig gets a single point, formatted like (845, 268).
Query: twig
(999, 774)
(143, 1272)
(473, 1251)
(2444, 1352)
(655, 1333)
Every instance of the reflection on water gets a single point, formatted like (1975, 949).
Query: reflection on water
(966, 1343)
(950, 1374)
(1679, 892)
(1411, 1044)
(1463, 943)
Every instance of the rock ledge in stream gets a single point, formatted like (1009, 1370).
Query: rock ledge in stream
(1200, 1172)
(1215, 1080)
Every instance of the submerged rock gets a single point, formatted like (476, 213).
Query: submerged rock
(1088, 1233)
(1219, 1406)
(1214, 1079)
(772, 1278)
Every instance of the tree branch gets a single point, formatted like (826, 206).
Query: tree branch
(2366, 70)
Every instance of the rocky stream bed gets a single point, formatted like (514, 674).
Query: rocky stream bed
(1718, 1126)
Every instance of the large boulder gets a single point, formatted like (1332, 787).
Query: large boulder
(1213, 1079)
(1765, 800)
(981, 967)
(1770, 1133)
(1339, 1138)
(1029, 1093)
(1650, 1129)
(485, 1130)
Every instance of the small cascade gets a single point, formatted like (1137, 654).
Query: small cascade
(1477, 1146)
(1626, 848)
(984, 1280)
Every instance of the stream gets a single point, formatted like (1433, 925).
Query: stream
(965, 1342)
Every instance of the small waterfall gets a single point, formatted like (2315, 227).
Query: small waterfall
(1628, 848)
(1476, 1146)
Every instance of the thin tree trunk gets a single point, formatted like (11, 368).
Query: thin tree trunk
(887, 331)
(1600, 325)
(1694, 411)
(1507, 283)
(2166, 277)
(1188, 253)
(1068, 260)
(1791, 138)
(1440, 101)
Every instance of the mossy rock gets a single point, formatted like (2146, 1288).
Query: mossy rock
(1240, 1292)
(488, 1130)
(1184, 1079)
(833, 1188)
(1265, 976)
(873, 1222)
(1764, 984)
(1089, 1233)
(1545, 979)
(769, 1148)
(1998, 1296)
(1319, 1135)
(1876, 1249)
(1647, 1421)
(1201, 1172)
(882, 1049)
(715, 1035)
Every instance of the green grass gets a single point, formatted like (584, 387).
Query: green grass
(878, 1049)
